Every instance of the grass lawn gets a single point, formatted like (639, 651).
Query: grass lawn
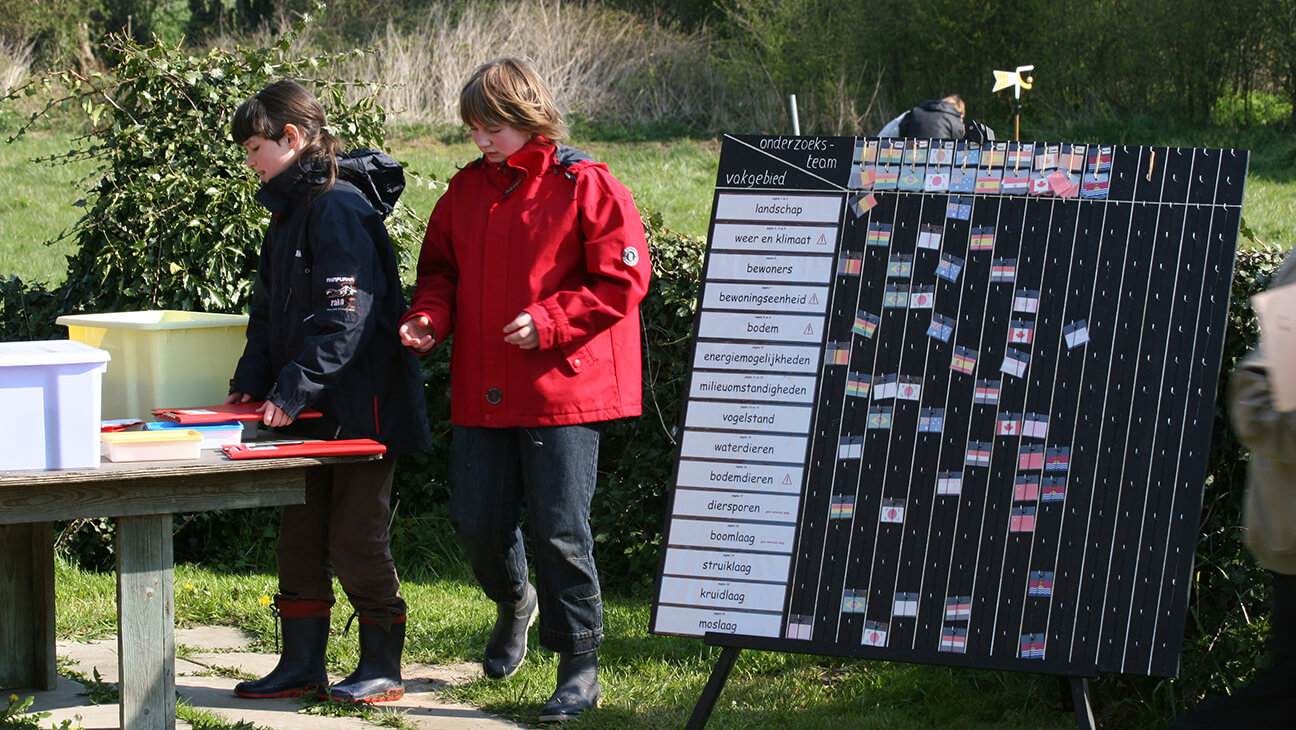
(649, 681)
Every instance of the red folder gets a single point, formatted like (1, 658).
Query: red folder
(270, 449)
(221, 413)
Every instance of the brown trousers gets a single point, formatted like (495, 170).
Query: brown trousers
(342, 530)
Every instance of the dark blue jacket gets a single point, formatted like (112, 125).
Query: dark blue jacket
(327, 299)
(933, 119)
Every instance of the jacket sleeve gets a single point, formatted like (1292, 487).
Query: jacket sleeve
(616, 265)
(1259, 426)
(437, 275)
(252, 373)
(345, 282)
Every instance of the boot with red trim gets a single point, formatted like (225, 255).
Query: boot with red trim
(378, 676)
(305, 626)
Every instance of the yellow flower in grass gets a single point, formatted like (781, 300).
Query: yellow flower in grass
(190, 587)
(13, 699)
(264, 600)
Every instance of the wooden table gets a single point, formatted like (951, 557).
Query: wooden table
(141, 496)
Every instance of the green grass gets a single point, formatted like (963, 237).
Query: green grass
(38, 204)
(649, 681)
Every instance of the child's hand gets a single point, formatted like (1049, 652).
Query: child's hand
(417, 333)
(237, 397)
(272, 416)
(522, 332)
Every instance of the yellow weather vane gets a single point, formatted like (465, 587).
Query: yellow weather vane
(1004, 79)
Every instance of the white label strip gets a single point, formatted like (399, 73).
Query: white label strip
(749, 417)
(753, 387)
(722, 594)
(750, 477)
(762, 238)
(780, 208)
(732, 535)
(736, 506)
(763, 327)
(766, 298)
(743, 447)
(698, 621)
(781, 269)
(745, 356)
(720, 565)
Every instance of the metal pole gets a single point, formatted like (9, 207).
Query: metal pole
(796, 123)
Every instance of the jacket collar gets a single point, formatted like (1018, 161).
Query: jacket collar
(279, 192)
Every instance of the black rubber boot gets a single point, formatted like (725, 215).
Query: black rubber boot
(578, 688)
(378, 677)
(507, 646)
(301, 663)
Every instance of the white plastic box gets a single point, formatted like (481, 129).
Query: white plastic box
(215, 435)
(51, 395)
(152, 445)
(162, 358)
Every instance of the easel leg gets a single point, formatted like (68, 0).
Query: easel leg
(719, 675)
(1080, 702)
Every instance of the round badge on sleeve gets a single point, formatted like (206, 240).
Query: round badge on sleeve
(630, 256)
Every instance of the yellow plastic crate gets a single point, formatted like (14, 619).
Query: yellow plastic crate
(162, 358)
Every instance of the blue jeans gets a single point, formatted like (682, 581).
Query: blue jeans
(550, 471)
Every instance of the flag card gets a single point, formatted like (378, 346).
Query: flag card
(885, 387)
(906, 604)
(978, 453)
(1026, 488)
(879, 417)
(1015, 362)
(1046, 156)
(879, 234)
(911, 179)
(893, 511)
(1071, 157)
(866, 323)
(1039, 184)
(900, 266)
(858, 384)
(800, 627)
(895, 297)
(989, 180)
(949, 483)
(931, 420)
(867, 152)
(1015, 183)
(1003, 270)
(987, 392)
(886, 178)
(1099, 159)
(915, 151)
(850, 263)
(929, 235)
(1009, 424)
(1076, 333)
(941, 328)
(1094, 186)
(981, 238)
(862, 204)
(958, 608)
(967, 153)
(963, 180)
(1021, 332)
(959, 208)
(950, 267)
(1057, 458)
(842, 507)
(1032, 646)
(953, 640)
(923, 296)
(937, 180)
(1026, 300)
(910, 387)
(1022, 519)
(1030, 457)
(1054, 489)
(994, 155)
(964, 360)
(1063, 184)
(1035, 425)
(1041, 583)
(1020, 155)
(837, 353)
(890, 151)
(875, 633)
(850, 447)
(853, 601)
(941, 152)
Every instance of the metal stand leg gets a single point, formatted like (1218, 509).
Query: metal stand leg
(719, 675)
(1079, 700)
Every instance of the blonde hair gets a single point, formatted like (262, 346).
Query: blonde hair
(508, 91)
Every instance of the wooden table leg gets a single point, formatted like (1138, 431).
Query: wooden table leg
(146, 622)
(27, 611)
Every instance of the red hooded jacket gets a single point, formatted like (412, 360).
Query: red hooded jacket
(551, 232)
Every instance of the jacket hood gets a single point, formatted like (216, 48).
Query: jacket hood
(376, 175)
(939, 105)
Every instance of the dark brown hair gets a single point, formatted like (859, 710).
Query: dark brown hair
(509, 91)
(288, 102)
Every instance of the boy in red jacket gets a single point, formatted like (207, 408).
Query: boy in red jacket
(535, 260)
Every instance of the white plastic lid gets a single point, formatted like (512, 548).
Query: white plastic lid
(50, 352)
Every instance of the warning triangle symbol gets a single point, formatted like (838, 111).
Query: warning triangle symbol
(814, 298)
(809, 330)
(823, 240)
(787, 479)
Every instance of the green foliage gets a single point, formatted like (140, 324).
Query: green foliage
(1238, 110)
(14, 716)
(171, 221)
